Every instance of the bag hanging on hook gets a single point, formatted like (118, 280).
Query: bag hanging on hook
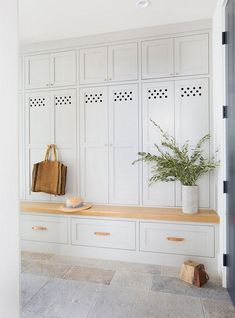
(49, 176)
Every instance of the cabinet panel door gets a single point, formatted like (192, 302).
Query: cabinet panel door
(37, 71)
(123, 62)
(93, 65)
(20, 73)
(192, 123)
(191, 55)
(124, 139)
(94, 144)
(63, 68)
(39, 118)
(157, 58)
(64, 103)
(158, 105)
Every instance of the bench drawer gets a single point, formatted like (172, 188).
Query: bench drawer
(44, 228)
(195, 240)
(103, 233)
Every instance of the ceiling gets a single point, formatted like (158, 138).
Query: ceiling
(45, 20)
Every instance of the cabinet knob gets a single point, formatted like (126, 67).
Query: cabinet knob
(48, 84)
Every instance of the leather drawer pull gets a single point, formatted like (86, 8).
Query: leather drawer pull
(39, 228)
(102, 233)
(175, 239)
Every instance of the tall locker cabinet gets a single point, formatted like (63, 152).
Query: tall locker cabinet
(109, 122)
(158, 105)
(51, 118)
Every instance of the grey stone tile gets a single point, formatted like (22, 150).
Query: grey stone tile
(27, 314)
(132, 279)
(30, 285)
(116, 302)
(24, 264)
(90, 274)
(64, 299)
(170, 271)
(47, 269)
(35, 256)
(176, 286)
(218, 309)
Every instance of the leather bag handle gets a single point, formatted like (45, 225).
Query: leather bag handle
(50, 148)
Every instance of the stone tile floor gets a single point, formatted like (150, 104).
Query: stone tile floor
(55, 286)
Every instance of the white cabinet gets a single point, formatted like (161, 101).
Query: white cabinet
(42, 228)
(20, 73)
(50, 70)
(157, 58)
(51, 118)
(109, 144)
(191, 55)
(158, 105)
(181, 239)
(104, 233)
(192, 123)
(124, 144)
(181, 56)
(123, 62)
(93, 65)
(94, 144)
(37, 71)
(112, 63)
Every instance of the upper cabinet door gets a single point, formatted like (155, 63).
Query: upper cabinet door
(191, 55)
(63, 68)
(93, 65)
(157, 58)
(123, 62)
(37, 71)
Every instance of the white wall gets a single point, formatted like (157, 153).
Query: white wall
(9, 241)
(219, 122)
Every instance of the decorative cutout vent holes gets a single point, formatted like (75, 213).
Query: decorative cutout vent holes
(93, 98)
(122, 96)
(192, 91)
(63, 100)
(157, 93)
(37, 102)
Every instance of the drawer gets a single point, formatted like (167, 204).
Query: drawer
(103, 233)
(44, 228)
(195, 240)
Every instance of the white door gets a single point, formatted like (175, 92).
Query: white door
(124, 144)
(191, 55)
(20, 73)
(158, 105)
(94, 144)
(63, 68)
(65, 134)
(192, 123)
(39, 134)
(37, 71)
(93, 65)
(157, 58)
(123, 62)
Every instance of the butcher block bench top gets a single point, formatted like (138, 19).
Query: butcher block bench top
(129, 212)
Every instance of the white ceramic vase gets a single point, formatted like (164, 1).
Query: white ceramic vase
(189, 199)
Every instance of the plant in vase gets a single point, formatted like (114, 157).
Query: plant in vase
(179, 163)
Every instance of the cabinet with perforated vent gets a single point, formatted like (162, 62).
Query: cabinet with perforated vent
(50, 70)
(109, 144)
(51, 118)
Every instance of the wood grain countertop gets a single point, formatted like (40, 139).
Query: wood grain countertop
(129, 212)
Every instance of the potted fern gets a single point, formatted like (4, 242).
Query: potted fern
(180, 163)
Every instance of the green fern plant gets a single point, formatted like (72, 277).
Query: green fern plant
(176, 162)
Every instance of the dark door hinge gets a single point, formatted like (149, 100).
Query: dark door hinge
(225, 186)
(225, 260)
(224, 38)
(225, 111)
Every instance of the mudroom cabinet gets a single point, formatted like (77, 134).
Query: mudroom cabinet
(180, 56)
(109, 123)
(109, 63)
(50, 70)
(51, 119)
